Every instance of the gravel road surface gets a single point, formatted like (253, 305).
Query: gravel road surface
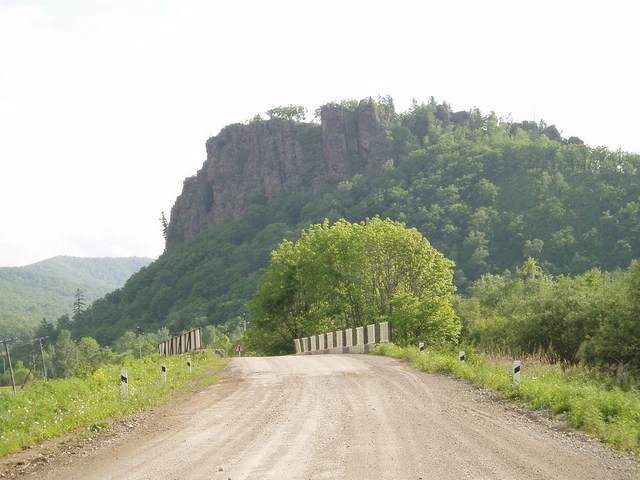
(339, 417)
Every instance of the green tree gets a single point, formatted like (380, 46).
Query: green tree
(20, 375)
(89, 356)
(46, 330)
(63, 323)
(148, 342)
(223, 343)
(486, 192)
(617, 342)
(352, 274)
(165, 225)
(290, 113)
(65, 355)
(127, 343)
(78, 306)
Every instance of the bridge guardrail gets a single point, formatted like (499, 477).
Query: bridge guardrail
(350, 340)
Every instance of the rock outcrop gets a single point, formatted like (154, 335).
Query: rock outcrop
(266, 157)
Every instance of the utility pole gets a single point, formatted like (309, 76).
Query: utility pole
(44, 367)
(6, 349)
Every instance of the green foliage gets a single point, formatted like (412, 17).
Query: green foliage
(14, 325)
(347, 275)
(140, 345)
(617, 336)
(591, 318)
(65, 356)
(291, 113)
(21, 375)
(222, 343)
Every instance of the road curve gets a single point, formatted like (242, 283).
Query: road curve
(342, 417)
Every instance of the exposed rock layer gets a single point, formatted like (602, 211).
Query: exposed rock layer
(266, 157)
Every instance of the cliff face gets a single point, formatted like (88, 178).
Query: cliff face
(268, 157)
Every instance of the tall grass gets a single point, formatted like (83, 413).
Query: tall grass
(49, 408)
(584, 399)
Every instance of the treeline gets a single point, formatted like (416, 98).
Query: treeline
(487, 193)
(64, 357)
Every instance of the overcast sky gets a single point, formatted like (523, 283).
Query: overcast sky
(105, 105)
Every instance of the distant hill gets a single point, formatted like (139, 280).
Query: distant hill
(47, 289)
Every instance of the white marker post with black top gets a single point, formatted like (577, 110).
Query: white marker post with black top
(516, 371)
(124, 382)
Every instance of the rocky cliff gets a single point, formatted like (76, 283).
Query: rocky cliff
(265, 157)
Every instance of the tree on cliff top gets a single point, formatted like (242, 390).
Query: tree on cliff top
(292, 113)
(352, 274)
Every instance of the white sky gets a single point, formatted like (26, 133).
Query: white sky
(105, 105)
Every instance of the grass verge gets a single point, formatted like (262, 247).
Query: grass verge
(586, 400)
(49, 408)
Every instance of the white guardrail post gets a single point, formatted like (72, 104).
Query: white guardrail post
(384, 332)
(322, 342)
(350, 340)
(330, 341)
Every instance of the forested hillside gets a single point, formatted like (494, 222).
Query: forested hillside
(487, 193)
(47, 289)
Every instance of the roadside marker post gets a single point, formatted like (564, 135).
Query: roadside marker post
(189, 365)
(422, 346)
(164, 372)
(124, 383)
(462, 356)
(516, 371)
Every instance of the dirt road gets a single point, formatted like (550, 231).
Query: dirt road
(341, 417)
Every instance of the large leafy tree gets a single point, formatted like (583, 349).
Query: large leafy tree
(353, 274)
